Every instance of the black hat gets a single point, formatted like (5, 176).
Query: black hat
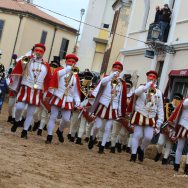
(129, 83)
(126, 77)
(14, 56)
(56, 61)
(88, 75)
(178, 96)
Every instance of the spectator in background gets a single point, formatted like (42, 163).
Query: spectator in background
(164, 20)
(157, 15)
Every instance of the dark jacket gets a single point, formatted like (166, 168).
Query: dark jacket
(165, 15)
(157, 16)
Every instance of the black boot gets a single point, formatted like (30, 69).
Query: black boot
(24, 134)
(128, 150)
(164, 161)
(60, 135)
(101, 149)
(124, 148)
(69, 136)
(15, 126)
(140, 154)
(99, 143)
(176, 167)
(39, 132)
(91, 142)
(79, 141)
(36, 125)
(22, 122)
(112, 150)
(49, 139)
(107, 145)
(30, 127)
(10, 119)
(133, 157)
(119, 148)
(45, 128)
(157, 157)
(186, 169)
(86, 139)
(72, 139)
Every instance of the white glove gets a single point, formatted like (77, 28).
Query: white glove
(116, 73)
(148, 85)
(68, 68)
(158, 124)
(77, 103)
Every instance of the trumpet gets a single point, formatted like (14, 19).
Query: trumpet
(152, 91)
(25, 59)
(75, 70)
(114, 82)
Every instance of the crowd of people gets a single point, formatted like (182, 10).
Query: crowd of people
(111, 114)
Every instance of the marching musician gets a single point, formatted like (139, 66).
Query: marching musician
(30, 78)
(110, 103)
(148, 106)
(164, 138)
(179, 119)
(64, 93)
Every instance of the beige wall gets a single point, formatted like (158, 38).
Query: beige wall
(29, 34)
(8, 36)
(137, 63)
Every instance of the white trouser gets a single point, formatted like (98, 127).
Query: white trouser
(129, 141)
(20, 107)
(107, 129)
(11, 106)
(84, 128)
(116, 127)
(75, 123)
(141, 131)
(65, 121)
(180, 146)
(37, 114)
(44, 118)
(163, 140)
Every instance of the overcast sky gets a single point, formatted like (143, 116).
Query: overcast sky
(70, 8)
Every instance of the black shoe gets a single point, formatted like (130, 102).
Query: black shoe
(101, 150)
(49, 139)
(176, 167)
(107, 145)
(72, 139)
(86, 139)
(69, 136)
(79, 141)
(39, 132)
(157, 157)
(124, 148)
(99, 143)
(30, 127)
(133, 157)
(22, 122)
(15, 126)
(91, 142)
(9, 119)
(112, 150)
(164, 161)
(186, 169)
(24, 134)
(45, 128)
(119, 147)
(128, 150)
(36, 125)
(60, 135)
(140, 154)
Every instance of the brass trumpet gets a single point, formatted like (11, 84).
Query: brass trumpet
(75, 70)
(152, 91)
(114, 82)
(25, 59)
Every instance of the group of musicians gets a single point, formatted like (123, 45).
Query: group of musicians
(111, 111)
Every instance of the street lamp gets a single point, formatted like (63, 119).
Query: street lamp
(82, 11)
(155, 33)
